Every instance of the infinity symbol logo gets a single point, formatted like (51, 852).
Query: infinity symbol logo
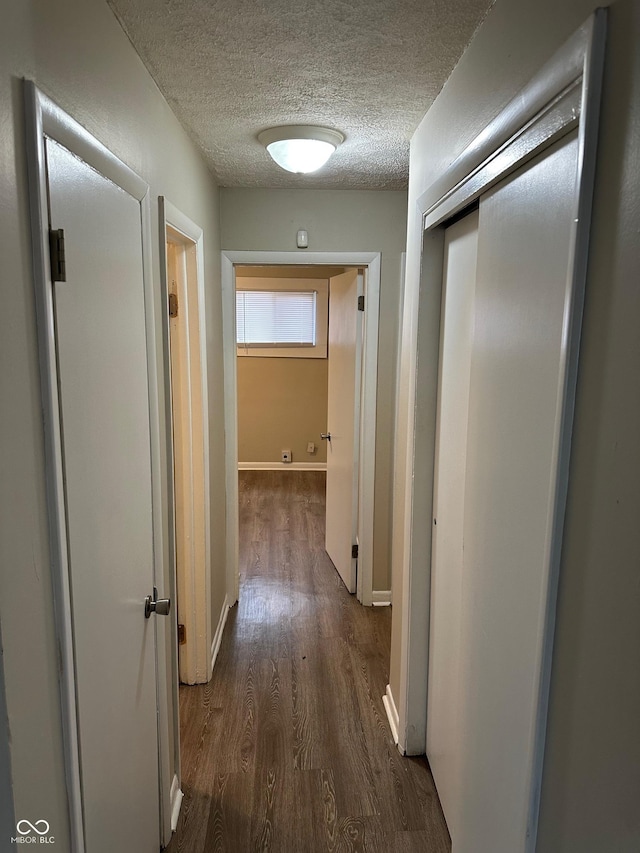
(32, 827)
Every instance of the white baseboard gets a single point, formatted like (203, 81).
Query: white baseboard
(282, 466)
(176, 803)
(381, 597)
(217, 639)
(392, 713)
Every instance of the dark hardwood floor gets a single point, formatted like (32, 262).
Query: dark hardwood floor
(288, 749)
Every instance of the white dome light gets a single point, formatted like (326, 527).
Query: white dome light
(301, 155)
(300, 148)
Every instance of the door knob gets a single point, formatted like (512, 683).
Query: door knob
(325, 436)
(153, 604)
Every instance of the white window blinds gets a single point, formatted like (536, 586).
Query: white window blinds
(267, 318)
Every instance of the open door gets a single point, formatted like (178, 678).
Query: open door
(189, 406)
(343, 423)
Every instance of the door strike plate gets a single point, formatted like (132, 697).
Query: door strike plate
(173, 304)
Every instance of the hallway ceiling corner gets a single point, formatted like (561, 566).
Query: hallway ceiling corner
(368, 68)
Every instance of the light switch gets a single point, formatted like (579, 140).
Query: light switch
(303, 239)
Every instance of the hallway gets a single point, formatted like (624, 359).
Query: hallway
(288, 748)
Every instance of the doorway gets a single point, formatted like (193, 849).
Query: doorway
(299, 386)
(189, 447)
(189, 644)
(370, 264)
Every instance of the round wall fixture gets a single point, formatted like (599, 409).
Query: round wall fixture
(300, 148)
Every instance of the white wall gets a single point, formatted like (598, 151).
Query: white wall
(338, 221)
(76, 52)
(591, 781)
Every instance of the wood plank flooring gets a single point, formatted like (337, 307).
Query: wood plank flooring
(288, 749)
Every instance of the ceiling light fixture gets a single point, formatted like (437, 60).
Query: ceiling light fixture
(300, 148)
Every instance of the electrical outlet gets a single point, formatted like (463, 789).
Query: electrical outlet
(286, 456)
(311, 448)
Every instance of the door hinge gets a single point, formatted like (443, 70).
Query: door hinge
(354, 552)
(56, 255)
(173, 304)
(182, 635)
(360, 303)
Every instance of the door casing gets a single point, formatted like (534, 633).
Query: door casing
(371, 263)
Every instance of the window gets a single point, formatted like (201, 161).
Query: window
(282, 317)
(276, 318)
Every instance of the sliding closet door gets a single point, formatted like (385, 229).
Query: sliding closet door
(516, 400)
(445, 697)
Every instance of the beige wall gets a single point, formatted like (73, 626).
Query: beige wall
(77, 53)
(282, 402)
(338, 221)
(282, 405)
(591, 779)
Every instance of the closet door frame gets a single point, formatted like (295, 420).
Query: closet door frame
(562, 97)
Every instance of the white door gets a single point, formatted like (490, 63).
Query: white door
(444, 699)
(343, 423)
(486, 710)
(515, 408)
(103, 387)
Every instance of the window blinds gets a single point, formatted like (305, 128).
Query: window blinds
(268, 318)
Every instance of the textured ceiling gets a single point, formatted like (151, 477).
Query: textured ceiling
(369, 68)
